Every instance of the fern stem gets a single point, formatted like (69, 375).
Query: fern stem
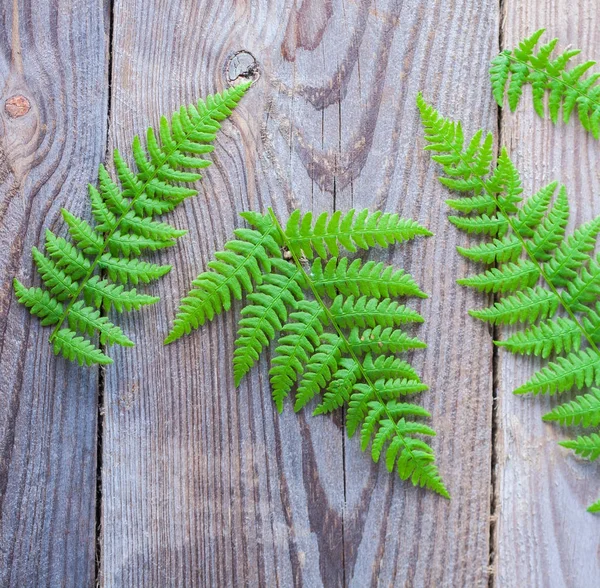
(514, 59)
(141, 190)
(341, 334)
(527, 250)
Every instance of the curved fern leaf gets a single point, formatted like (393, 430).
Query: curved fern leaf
(264, 316)
(234, 271)
(351, 231)
(77, 348)
(296, 348)
(528, 305)
(548, 72)
(552, 336)
(585, 446)
(124, 226)
(370, 312)
(568, 274)
(335, 324)
(339, 276)
(584, 411)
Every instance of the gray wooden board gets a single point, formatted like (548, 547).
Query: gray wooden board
(54, 54)
(204, 484)
(545, 536)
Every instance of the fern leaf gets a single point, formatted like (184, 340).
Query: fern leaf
(585, 446)
(534, 210)
(509, 248)
(340, 387)
(133, 271)
(356, 279)
(264, 316)
(508, 277)
(572, 254)
(552, 230)
(88, 320)
(39, 302)
(103, 294)
(552, 336)
(76, 348)
(296, 348)
(382, 340)
(526, 306)
(66, 256)
(122, 228)
(56, 280)
(577, 370)
(388, 367)
(350, 231)
(481, 225)
(321, 366)
(548, 72)
(584, 411)
(370, 312)
(235, 270)
(481, 203)
(594, 507)
(364, 395)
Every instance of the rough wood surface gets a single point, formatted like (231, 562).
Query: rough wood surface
(206, 485)
(545, 537)
(53, 106)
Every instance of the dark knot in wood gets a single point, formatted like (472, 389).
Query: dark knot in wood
(242, 66)
(17, 106)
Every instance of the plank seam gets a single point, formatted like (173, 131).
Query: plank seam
(492, 580)
(101, 374)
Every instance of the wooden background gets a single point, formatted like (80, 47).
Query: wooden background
(156, 471)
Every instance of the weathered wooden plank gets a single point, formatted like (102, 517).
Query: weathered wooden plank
(545, 537)
(53, 108)
(206, 485)
(395, 535)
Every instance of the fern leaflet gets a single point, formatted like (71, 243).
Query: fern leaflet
(125, 226)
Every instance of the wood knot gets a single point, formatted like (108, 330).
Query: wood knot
(17, 106)
(242, 66)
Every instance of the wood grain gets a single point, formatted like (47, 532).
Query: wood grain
(545, 537)
(206, 485)
(52, 137)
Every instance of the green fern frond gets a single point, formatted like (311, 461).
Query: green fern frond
(509, 248)
(585, 446)
(509, 277)
(371, 312)
(545, 338)
(236, 269)
(548, 73)
(351, 231)
(584, 411)
(334, 322)
(594, 507)
(296, 348)
(568, 274)
(321, 366)
(265, 314)
(525, 306)
(339, 276)
(123, 227)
